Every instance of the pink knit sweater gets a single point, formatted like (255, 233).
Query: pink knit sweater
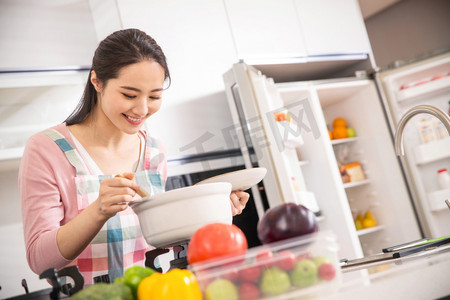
(48, 194)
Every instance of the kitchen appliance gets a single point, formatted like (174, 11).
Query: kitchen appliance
(171, 218)
(284, 125)
(186, 172)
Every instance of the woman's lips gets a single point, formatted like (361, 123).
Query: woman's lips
(134, 121)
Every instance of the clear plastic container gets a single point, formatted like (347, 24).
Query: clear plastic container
(298, 267)
(443, 179)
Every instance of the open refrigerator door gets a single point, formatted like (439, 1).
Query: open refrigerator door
(284, 127)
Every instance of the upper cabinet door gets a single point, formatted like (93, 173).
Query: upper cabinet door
(332, 27)
(265, 29)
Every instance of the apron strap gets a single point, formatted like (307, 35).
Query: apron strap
(153, 156)
(70, 151)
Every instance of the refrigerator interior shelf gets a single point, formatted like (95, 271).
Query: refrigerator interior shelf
(432, 151)
(424, 89)
(369, 230)
(436, 200)
(356, 183)
(342, 141)
(303, 163)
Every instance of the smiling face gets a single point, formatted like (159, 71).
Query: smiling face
(127, 101)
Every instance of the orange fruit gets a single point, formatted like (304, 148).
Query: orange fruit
(340, 132)
(280, 117)
(339, 122)
(330, 134)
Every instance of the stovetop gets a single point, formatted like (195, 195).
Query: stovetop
(62, 290)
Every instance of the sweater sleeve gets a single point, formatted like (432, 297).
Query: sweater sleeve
(43, 210)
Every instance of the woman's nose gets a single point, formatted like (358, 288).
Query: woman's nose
(141, 107)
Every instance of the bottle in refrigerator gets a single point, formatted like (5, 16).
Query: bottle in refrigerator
(439, 129)
(426, 130)
(443, 179)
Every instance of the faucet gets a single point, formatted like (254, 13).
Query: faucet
(427, 109)
(419, 109)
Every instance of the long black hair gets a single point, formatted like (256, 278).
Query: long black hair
(118, 50)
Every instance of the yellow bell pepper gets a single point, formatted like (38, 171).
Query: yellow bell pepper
(175, 284)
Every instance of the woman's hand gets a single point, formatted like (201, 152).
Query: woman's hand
(115, 194)
(238, 201)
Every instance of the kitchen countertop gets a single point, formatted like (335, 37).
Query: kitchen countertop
(421, 276)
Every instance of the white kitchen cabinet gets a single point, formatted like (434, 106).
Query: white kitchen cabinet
(332, 27)
(296, 29)
(265, 29)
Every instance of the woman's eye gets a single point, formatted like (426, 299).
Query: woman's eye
(155, 97)
(129, 96)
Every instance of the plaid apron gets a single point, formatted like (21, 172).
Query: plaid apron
(119, 244)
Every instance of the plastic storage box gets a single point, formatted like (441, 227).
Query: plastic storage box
(290, 269)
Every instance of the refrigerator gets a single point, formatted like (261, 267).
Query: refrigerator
(284, 125)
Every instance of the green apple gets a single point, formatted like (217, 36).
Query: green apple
(274, 281)
(305, 273)
(351, 132)
(318, 260)
(221, 289)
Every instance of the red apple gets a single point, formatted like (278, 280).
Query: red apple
(286, 260)
(249, 273)
(248, 291)
(304, 256)
(265, 258)
(327, 271)
(232, 275)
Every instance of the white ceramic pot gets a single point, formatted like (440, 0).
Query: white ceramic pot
(171, 218)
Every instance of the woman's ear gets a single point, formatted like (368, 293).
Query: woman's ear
(95, 82)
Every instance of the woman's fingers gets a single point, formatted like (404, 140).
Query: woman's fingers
(116, 193)
(238, 201)
(141, 192)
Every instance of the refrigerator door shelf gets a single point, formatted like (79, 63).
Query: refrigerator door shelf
(424, 90)
(290, 135)
(436, 200)
(356, 183)
(433, 151)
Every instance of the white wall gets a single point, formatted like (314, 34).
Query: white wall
(409, 28)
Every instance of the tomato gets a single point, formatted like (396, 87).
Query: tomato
(286, 260)
(216, 240)
(249, 273)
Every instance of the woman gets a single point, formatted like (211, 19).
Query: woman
(74, 210)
